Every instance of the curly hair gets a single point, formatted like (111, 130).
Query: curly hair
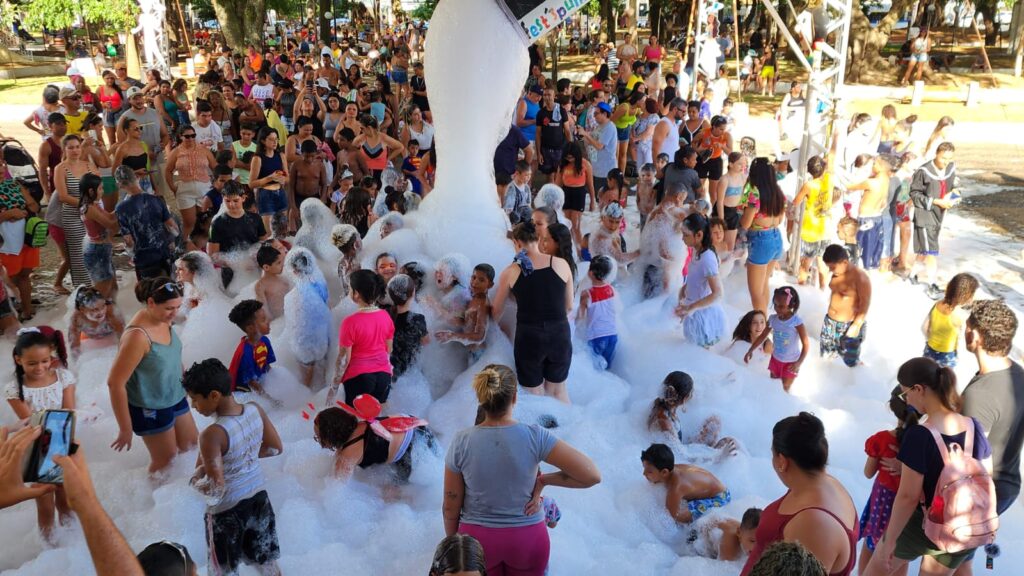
(996, 323)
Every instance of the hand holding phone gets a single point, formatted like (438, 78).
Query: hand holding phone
(13, 448)
(58, 433)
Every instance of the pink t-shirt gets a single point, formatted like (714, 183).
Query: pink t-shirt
(367, 334)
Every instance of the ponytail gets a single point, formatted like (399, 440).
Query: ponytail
(928, 373)
(495, 388)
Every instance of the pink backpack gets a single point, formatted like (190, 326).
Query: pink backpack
(962, 513)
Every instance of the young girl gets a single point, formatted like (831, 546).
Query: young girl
(95, 318)
(726, 258)
(365, 342)
(788, 332)
(100, 225)
(614, 191)
(749, 328)
(451, 278)
(677, 389)
(410, 327)
(41, 384)
(883, 444)
(944, 324)
(702, 314)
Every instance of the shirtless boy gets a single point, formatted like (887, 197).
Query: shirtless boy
(272, 285)
(477, 314)
(307, 178)
(842, 333)
(873, 202)
(692, 491)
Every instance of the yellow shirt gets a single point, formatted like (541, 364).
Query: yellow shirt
(274, 121)
(75, 122)
(633, 81)
(817, 209)
(943, 330)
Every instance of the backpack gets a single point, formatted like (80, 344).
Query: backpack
(962, 514)
(36, 230)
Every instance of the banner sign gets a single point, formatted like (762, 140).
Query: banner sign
(538, 17)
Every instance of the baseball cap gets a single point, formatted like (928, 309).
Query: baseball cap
(537, 89)
(322, 83)
(782, 157)
(325, 51)
(67, 92)
(132, 92)
(604, 107)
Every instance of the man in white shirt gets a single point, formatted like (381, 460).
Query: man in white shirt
(208, 132)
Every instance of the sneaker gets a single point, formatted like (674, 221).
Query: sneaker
(934, 292)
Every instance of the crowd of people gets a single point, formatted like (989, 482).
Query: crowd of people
(281, 165)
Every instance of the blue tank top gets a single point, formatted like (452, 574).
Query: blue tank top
(531, 114)
(270, 164)
(731, 191)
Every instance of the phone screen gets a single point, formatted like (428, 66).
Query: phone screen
(55, 440)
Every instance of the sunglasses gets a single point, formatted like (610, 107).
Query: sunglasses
(189, 136)
(173, 287)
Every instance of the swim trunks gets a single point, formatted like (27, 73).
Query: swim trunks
(835, 342)
(699, 508)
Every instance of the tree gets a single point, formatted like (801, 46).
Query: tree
(866, 42)
(61, 14)
(241, 21)
(425, 11)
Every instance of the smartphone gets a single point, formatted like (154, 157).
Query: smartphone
(92, 134)
(56, 439)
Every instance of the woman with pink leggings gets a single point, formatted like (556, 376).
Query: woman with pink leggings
(492, 484)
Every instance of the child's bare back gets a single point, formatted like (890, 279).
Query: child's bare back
(270, 289)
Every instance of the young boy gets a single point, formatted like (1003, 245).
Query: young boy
(517, 196)
(307, 178)
(597, 307)
(738, 536)
(240, 526)
(692, 491)
(477, 314)
(235, 229)
(411, 166)
(272, 285)
(645, 193)
(210, 203)
(847, 232)
(254, 354)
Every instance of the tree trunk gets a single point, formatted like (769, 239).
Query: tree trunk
(326, 26)
(608, 14)
(866, 42)
(553, 41)
(242, 22)
(654, 20)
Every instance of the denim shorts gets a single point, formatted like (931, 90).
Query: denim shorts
(147, 421)
(765, 246)
(98, 260)
(399, 76)
(623, 133)
(271, 201)
(110, 117)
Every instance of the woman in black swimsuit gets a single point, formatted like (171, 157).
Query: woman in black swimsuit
(134, 154)
(543, 289)
(357, 443)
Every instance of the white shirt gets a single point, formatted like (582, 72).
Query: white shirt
(209, 136)
(46, 398)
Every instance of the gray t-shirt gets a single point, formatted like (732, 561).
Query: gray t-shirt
(687, 177)
(150, 122)
(996, 401)
(499, 466)
(602, 161)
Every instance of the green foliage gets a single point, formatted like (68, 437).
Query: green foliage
(425, 10)
(204, 10)
(287, 8)
(58, 14)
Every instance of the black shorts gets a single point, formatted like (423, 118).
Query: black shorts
(246, 533)
(712, 169)
(153, 271)
(732, 217)
(552, 159)
(543, 351)
(6, 308)
(926, 241)
(376, 384)
(575, 198)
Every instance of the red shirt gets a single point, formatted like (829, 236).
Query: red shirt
(883, 445)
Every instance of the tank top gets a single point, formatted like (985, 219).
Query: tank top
(541, 296)
(376, 156)
(716, 144)
(330, 125)
(156, 381)
(570, 179)
(670, 145)
(689, 135)
(943, 332)
(601, 312)
(170, 106)
(269, 165)
(375, 448)
(96, 231)
(531, 114)
(425, 138)
(193, 165)
(773, 524)
(242, 174)
(111, 96)
(243, 477)
(652, 53)
(627, 119)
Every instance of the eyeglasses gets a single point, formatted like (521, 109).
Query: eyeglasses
(189, 136)
(903, 395)
(181, 551)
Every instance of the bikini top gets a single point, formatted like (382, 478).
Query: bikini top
(376, 156)
(136, 162)
(375, 448)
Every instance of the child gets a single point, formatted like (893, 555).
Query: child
(411, 166)
(477, 314)
(272, 285)
(645, 193)
(239, 517)
(750, 327)
(448, 277)
(254, 354)
(727, 259)
(345, 183)
(945, 322)
(677, 389)
(305, 308)
(701, 313)
(94, 318)
(738, 536)
(847, 231)
(365, 342)
(410, 327)
(614, 190)
(199, 237)
(787, 331)
(597, 307)
(518, 197)
(884, 444)
(692, 491)
(41, 384)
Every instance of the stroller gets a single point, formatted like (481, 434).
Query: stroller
(22, 167)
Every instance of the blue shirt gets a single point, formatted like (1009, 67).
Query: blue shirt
(254, 363)
(142, 216)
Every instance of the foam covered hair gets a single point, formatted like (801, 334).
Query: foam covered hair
(454, 266)
(550, 195)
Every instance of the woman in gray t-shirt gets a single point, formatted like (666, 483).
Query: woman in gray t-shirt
(492, 484)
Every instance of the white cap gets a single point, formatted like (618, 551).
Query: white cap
(322, 83)
(325, 51)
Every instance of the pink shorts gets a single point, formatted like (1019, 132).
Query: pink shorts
(514, 551)
(781, 370)
(57, 233)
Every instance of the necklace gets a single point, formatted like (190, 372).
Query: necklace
(369, 308)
